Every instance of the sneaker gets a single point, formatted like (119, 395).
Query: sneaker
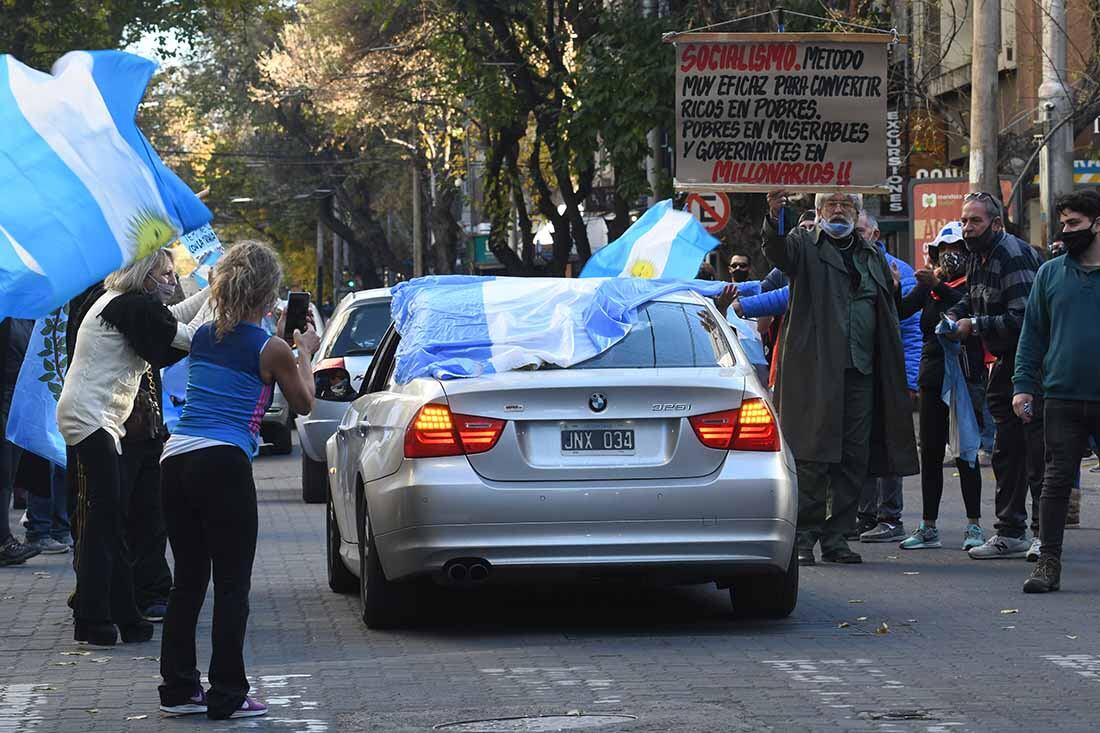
(1033, 551)
(923, 538)
(1046, 577)
(974, 537)
(14, 552)
(195, 704)
(884, 532)
(250, 709)
(1001, 548)
(155, 612)
(49, 546)
(862, 525)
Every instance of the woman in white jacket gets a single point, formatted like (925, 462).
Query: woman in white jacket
(127, 330)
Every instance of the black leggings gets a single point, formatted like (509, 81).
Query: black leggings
(104, 583)
(210, 508)
(935, 417)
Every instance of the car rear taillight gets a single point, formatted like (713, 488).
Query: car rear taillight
(332, 381)
(715, 429)
(751, 427)
(436, 431)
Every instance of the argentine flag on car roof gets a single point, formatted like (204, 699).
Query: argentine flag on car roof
(455, 326)
(81, 190)
(663, 243)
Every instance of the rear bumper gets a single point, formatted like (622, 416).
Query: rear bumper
(677, 550)
(739, 519)
(277, 414)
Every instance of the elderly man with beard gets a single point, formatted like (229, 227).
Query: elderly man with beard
(999, 273)
(841, 369)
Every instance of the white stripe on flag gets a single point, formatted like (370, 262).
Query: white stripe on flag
(24, 255)
(69, 113)
(654, 245)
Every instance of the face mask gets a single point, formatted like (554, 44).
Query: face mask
(740, 276)
(982, 242)
(1078, 241)
(163, 291)
(952, 264)
(838, 229)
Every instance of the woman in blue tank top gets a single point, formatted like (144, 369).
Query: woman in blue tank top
(209, 494)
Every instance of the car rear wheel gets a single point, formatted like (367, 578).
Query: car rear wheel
(314, 480)
(385, 604)
(767, 596)
(340, 579)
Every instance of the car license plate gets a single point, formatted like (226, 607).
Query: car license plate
(608, 441)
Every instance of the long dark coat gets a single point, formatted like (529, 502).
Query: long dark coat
(809, 389)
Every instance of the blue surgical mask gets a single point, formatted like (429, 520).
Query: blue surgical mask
(838, 230)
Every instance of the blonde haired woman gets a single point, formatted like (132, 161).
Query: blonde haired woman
(209, 494)
(125, 330)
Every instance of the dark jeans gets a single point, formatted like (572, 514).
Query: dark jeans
(935, 419)
(210, 506)
(48, 516)
(104, 583)
(1069, 424)
(143, 518)
(9, 459)
(1018, 452)
(829, 492)
(881, 499)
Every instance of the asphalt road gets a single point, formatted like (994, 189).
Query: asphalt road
(909, 641)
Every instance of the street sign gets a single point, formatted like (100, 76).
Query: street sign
(712, 209)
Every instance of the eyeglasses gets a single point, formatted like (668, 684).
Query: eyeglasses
(983, 196)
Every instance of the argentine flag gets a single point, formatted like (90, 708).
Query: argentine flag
(455, 326)
(81, 190)
(663, 243)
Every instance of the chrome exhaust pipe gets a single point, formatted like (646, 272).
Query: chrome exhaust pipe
(478, 572)
(456, 573)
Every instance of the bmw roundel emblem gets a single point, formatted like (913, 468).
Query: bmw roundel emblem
(597, 402)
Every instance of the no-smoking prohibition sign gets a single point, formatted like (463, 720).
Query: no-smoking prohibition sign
(711, 209)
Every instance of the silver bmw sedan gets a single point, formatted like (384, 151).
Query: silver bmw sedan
(660, 460)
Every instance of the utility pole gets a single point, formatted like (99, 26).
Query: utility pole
(653, 137)
(319, 293)
(984, 120)
(417, 226)
(1056, 158)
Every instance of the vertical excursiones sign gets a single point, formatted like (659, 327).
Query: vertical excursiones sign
(760, 111)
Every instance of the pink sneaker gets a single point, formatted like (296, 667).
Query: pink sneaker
(250, 709)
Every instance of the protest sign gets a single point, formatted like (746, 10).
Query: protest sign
(799, 111)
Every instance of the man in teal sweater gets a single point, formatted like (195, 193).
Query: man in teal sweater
(1057, 358)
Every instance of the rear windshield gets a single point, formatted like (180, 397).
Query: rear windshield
(667, 335)
(359, 330)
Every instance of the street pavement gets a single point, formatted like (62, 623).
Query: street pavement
(909, 641)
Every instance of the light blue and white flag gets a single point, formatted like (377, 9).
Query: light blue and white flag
(32, 418)
(663, 243)
(467, 326)
(81, 190)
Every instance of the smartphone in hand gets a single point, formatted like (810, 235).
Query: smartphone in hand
(297, 312)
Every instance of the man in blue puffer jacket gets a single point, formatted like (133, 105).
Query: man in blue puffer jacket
(880, 505)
